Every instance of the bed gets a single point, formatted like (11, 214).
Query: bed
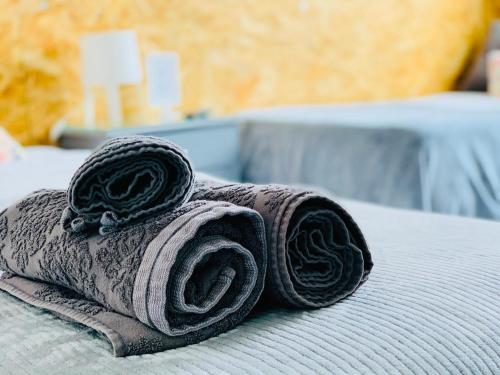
(431, 305)
(437, 153)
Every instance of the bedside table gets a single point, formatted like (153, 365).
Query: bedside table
(212, 145)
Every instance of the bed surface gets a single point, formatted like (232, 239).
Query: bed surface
(41, 167)
(437, 153)
(430, 306)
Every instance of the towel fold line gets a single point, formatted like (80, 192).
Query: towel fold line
(172, 280)
(124, 180)
(294, 278)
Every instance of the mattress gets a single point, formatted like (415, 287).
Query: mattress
(431, 305)
(437, 153)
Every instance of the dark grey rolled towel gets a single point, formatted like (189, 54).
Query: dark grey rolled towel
(317, 254)
(169, 281)
(125, 179)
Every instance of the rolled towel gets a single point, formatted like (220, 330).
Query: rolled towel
(186, 276)
(317, 254)
(126, 179)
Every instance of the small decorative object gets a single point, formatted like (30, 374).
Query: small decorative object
(9, 148)
(109, 59)
(494, 73)
(164, 82)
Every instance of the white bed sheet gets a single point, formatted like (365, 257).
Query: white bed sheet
(42, 167)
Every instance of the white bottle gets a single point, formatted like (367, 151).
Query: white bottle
(493, 64)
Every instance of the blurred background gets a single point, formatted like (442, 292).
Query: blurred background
(394, 102)
(235, 55)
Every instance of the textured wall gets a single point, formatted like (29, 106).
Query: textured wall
(236, 54)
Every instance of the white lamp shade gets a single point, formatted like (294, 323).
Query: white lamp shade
(110, 58)
(164, 81)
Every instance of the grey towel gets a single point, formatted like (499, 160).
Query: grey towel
(126, 179)
(317, 254)
(168, 281)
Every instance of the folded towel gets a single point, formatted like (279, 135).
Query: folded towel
(125, 179)
(190, 274)
(317, 254)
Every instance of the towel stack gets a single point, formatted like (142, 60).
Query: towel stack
(154, 259)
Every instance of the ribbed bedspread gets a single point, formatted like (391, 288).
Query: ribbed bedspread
(431, 307)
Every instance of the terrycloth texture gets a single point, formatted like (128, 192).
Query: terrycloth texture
(430, 307)
(190, 274)
(317, 253)
(126, 179)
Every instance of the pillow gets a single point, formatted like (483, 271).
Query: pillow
(9, 148)
(41, 167)
(475, 77)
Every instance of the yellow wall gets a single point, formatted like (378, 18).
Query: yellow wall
(236, 54)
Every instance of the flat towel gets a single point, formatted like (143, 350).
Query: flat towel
(172, 280)
(125, 179)
(317, 254)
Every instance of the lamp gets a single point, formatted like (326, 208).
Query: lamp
(164, 82)
(109, 59)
